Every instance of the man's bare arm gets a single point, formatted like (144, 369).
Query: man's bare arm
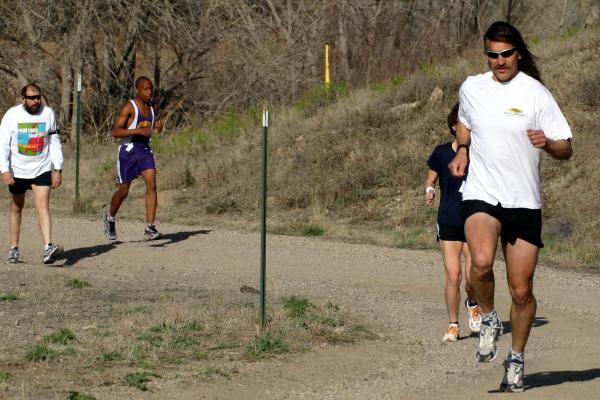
(559, 149)
(458, 165)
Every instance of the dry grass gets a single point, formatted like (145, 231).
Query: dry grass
(347, 166)
(572, 228)
(352, 162)
(126, 335)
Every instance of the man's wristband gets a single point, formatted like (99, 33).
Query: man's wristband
(466, 146)
(58, 170)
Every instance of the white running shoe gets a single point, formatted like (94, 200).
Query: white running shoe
(13, 255)
(150, 233)
(488, 336)
(513, 376)
(474, 317)
(110, 230)
(452, 333)
(51, 252)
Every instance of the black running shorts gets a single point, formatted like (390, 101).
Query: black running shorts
(22, 185)
(522, 223)
(450, 233)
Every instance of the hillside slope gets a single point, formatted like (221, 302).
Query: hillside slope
(350, 163)
(358, 158)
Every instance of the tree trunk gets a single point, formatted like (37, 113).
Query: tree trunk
(343, 44)
(509, 8)
(64, 112)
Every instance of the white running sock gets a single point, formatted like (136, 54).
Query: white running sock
(489, 318)
(516, 356)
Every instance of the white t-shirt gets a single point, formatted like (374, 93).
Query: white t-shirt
(504, 166)
(26, 149)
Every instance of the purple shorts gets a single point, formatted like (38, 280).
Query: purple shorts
(131, 163)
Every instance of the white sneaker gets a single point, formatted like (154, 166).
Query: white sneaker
(51, 252)
(110, 230)
(474, 317)
(13, 255)
(452, 333)
(513, 376)
(150, 233)
(488, 336)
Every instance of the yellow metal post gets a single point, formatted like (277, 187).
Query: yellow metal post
(327, 81)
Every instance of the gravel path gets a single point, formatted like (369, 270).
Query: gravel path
(399, 293)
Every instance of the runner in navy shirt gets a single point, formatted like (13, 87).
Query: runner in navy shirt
(450, 232)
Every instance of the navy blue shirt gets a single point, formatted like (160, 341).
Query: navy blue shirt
(449, 211)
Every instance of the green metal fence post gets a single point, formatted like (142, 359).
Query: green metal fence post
(263, 239)
(77, 138)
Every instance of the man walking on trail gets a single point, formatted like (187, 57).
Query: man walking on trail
(30, 159)
(134, 126)
(451, 232)
(507, 119)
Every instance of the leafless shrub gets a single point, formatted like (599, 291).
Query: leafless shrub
(209, 56)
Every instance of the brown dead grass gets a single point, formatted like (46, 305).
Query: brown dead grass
(354, 163)
(177, 333)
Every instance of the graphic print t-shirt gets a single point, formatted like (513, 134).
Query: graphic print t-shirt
(31, 138)
(26, 147)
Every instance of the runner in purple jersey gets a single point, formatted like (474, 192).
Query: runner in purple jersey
(134, 125)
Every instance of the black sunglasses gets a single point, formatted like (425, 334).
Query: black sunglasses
(504, 53)
(34, 97)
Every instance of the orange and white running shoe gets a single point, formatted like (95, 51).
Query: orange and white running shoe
(474, 317)
(452, 334)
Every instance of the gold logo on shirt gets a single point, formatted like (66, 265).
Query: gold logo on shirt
(514, 112)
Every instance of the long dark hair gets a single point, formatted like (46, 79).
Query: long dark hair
(453, 119)
(501, 31)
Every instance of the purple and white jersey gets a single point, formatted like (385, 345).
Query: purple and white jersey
(135, 154)
(139, 121)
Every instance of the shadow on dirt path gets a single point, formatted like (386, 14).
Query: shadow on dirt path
(553, 378)
(73, 256)
(170, 238)
(537, 322)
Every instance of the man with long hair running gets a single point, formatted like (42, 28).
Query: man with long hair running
(507, 120)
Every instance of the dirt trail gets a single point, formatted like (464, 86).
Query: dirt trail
(398, 292)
